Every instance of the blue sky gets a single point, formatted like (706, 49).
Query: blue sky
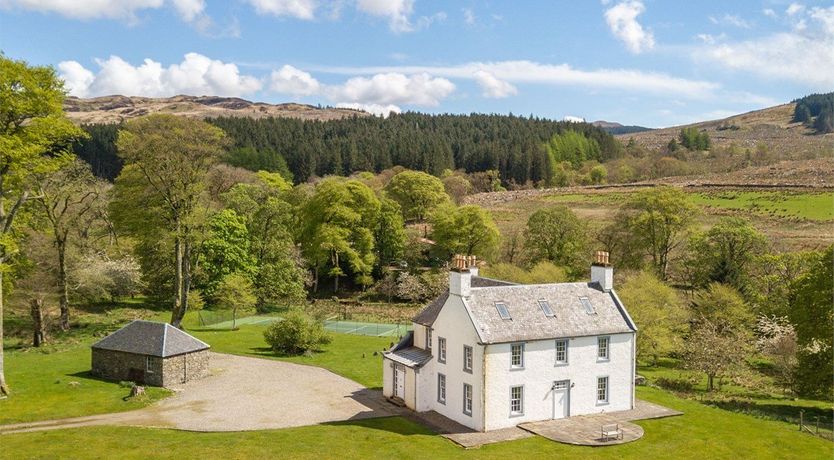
(650, 62)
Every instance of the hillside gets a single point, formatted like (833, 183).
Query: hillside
(114, 109)
(618, 128)
(773, 127)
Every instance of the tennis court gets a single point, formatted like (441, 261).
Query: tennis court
(341, 327)
(376, 329)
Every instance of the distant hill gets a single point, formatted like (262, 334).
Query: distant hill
(114, 109)
(773, 127)
(616, 128)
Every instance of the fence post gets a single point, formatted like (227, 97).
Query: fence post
(818, 424)
(801, 417)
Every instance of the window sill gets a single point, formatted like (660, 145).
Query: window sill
(602, 403)
(468, 414)
(516, 414)
(603, 360)
(521, 368)
(561, 364)
(468, 371)
(441, 402)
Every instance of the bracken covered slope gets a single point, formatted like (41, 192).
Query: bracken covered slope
(773, 127)
(114, 109)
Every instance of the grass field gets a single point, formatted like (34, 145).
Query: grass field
(351, 356)
(43, 387)
(703, 432)
(814, 206)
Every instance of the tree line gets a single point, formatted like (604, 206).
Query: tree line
(514, 146)
(816, 111)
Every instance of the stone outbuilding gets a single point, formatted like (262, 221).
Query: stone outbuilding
(151, 353)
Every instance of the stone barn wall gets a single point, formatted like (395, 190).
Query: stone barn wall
(180, 369)
(117, 365)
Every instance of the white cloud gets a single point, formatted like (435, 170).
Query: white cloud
(731, 20)
(794, 8)
(517, 72)
(396, 11)
(493, 87)
(290, 80)
(189, 10)
(573, 119)
(803, 55)
(376, 109)
(195, 75)
(77, 79)
(770, 13)
(468, 16)
(301, 9)
(622, 20)
(86, 9)
(393, 88)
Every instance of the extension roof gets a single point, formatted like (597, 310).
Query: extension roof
(152, 339)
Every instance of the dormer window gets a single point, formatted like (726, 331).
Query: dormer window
(589, 309)
(503, 311)
(545, 306)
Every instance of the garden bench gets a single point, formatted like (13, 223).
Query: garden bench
(611, 431)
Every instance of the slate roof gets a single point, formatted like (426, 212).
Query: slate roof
(151, 338)
(529, 321)
(411, 356)
(429, 314)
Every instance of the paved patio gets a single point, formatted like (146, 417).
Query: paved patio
(464, 436)
(586, 430)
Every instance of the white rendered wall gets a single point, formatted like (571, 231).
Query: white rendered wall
(540, 371)
(454, 324)
(387, 377)
(419, 335)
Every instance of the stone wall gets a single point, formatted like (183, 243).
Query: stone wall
(177, 370)
(117, 365)
(168, 372)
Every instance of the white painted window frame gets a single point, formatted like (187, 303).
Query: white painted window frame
(567, 355)
(467, 401)
(607, 340)
(514, 366)
(607, 387)
(441, 388)
(468, 358)
(441, 350)
(520, 399)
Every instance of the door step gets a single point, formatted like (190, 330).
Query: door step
(397, 401)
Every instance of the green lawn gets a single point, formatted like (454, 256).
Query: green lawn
(814, 206)
(42, 387)
(704, 432)
(351, 356)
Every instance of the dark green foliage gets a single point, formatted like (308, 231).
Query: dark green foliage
(99, 150)
(820, 106)
(259, 160)
(725, 253)
(694, 139)
(431, 143)
(296, 333)
(812, 315)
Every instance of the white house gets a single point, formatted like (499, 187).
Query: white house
(491, 354)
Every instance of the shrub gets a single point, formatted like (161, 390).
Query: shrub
(672, 384)
(295, 334)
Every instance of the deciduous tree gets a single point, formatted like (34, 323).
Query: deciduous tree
(417, 193)
(169, 158)
(466, 230)
(34, 136)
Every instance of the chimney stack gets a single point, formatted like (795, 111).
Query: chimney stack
(460, 276)
(602, 273)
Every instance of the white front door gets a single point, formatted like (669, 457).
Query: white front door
(399, 381)
(561, 399)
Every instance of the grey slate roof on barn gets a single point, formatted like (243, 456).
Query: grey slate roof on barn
(151, 338)
(528, 321)
(427, 316)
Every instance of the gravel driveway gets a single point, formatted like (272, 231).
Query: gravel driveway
(246, 393)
